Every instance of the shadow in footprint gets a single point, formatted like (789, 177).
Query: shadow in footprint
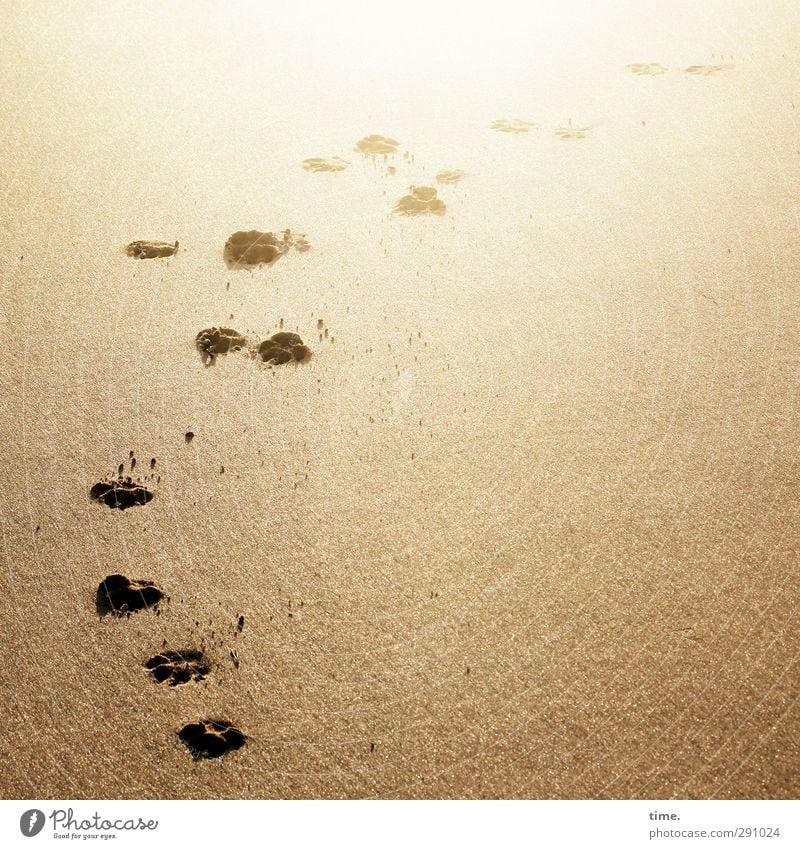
(178, 667)
(120, 596)
(455, 176)
(647, 69)
(704, 70)
(511, 125)
(421, 201)
(377, 145)
(120, 494)
(318, 163)
(218, 340)
(569, 132)
(146, 249)
(211, 738)
(251, 248)
(283, 347)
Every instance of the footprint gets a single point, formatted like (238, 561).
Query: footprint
(178, 667)
(211, 738)
(376, 145)
(145, 249)
(570, 132)
(650, 69)
(318, 163)
(249, 248)
(450, 176)
(512, 125)
(120, 596)
(704, 70)
(218, 340)
(283, 347)
(120, 494)
(421, 201)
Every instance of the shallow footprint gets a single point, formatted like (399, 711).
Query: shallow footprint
(121, 596)
(146, 249)
(178, 667)
(283, 347)
(704, 70)
(120, 494)
(376, 145)
(450, 176)
(249, 248)
(319, 163)
(512, 125)
(570, 132)
(211, 738)
(421, 201)
(218, 340)
(651, 69)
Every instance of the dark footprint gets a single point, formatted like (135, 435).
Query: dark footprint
(211, 738)
(319, 163)
(450, 176)
(145, 249)
(249, 248)
(569, 132)
(377, 145)
(421, 201)
(218, 340)
(178, 667)
(282, 348)
(120, 596)
(120, 494)
(647, 69)
(512, 125)
(704, 70)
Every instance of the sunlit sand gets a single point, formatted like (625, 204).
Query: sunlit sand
(400, 400)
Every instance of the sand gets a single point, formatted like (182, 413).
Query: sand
(524, 523)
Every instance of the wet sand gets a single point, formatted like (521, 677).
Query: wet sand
(523, 523)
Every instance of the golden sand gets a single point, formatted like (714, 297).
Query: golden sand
(525, 524)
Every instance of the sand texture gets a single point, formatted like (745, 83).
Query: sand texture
(499, 501)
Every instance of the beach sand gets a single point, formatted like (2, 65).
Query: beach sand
(524, 524)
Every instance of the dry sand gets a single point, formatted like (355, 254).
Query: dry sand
(526, 522)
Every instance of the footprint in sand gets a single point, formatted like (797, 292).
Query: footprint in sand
(218, 340)
(283, 347)
(450, 176)
(120, 494)
(647, 69)
(280, 348)
(569, 132)
(512, 125)
(211, 738)
(178, 667)
(318, 163)
(120, 596)
(422, 200)
(376, 145)
(704, 70)
(145, 249)
(123, 491)
(249, 248)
